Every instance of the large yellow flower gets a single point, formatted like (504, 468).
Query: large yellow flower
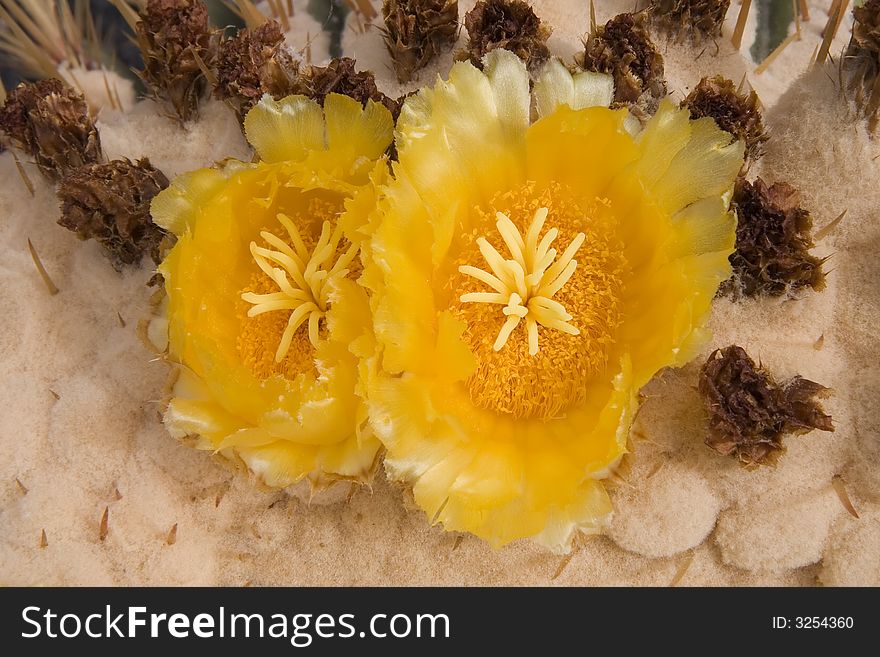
(528, 280)
(262, 299)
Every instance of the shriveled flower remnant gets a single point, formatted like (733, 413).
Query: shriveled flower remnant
(750, 413)
(773, 242)
(110, 203)
(736, 112)
(252, 63)
(623, 48)
(262, 304)
(256, 61)
(417, 31)
(860, 63)
(523, 291)
(341, 76)
(50, 121)
(173, 35)
(509, 24)
(696, 20)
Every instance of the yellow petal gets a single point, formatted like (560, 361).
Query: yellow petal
(704, 167)
(509, 80)
(177, 207)
(286, 129)
(355, 129)
(557, 86)
(568, 136)
(466, 129)
(664, 136)
(305, 421)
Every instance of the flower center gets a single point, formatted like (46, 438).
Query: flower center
(281, 310)
(301, 277)
(525, 284)
(570, 309)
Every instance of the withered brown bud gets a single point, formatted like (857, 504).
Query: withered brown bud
(773, 238)
(341, 76)
(416, 31)
(860, 65)
(623, 48)
(110, 203)
(173, 35)
(508, 24)
(737, 113)
(697, 20)
(749, 413)
(252, 63)
(50, 121)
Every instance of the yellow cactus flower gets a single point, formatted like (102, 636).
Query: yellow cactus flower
(262, 301)
(527, 280)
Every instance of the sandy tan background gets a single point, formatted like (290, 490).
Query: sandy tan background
(80, 428)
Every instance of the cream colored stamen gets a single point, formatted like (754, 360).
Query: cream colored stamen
(526, 283)
(302, 278)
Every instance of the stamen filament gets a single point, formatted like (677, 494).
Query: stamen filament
(261, 308)
(487, 278)
(295, 237)
(505, 332)
(534, 230)
(484, 297)
(281, 245)
(511, 236)
(562, 279)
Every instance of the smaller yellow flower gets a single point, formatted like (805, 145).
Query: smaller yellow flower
(262, 303)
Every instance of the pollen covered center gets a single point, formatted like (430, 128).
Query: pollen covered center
(287, 298)
(539, 323)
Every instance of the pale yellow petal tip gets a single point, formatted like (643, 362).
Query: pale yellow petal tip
(509, 80)
(501, 58)
(557, 86)
(560, 538)
(504, 69)
(364, 130)
(472, 105)
(285, 130)
(294, 128)
(176, 207)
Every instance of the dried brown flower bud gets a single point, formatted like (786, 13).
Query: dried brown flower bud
(51, 122)
(110, 203)
(252, 63)
(623, 48)
(860, 65)
(749, 413)
(696, 19)
(173, 35)
(737, 113)
(416, 31)
(341, 76)
(772, 242)
(508, 24)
